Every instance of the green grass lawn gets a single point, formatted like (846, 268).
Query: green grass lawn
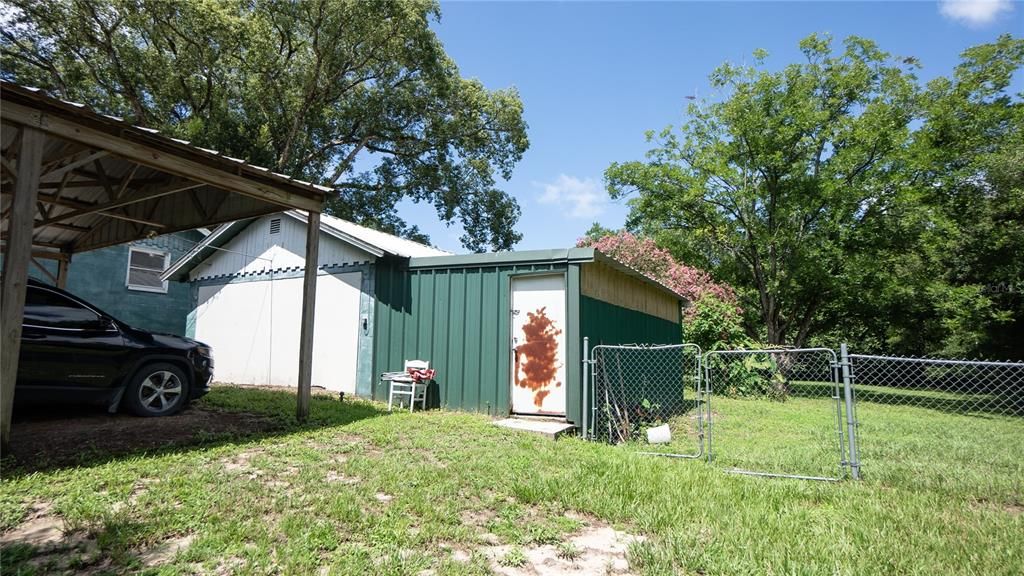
(360, 491)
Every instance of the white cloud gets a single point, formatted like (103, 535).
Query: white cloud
(579, 198)
(974, 13)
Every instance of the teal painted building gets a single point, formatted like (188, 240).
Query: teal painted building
(124, 282)
(470, 316)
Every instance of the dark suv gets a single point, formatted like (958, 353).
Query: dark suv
(73, 352)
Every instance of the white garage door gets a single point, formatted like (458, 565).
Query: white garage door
(253, 328)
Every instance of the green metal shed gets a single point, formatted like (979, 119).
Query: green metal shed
(505, 330)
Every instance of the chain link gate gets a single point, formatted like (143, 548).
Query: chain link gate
(760, 412)
(776, 412)
(642, 392)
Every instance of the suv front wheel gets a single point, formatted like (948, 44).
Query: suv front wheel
(159, 389)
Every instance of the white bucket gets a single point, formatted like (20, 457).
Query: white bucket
(659, 435)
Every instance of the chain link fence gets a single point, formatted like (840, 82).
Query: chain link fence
(649, 396)
(918, 415)
(954, 386)
(801, 413)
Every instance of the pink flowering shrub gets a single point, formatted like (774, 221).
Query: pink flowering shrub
(644, 256)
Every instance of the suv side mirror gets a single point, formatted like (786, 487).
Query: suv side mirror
(104, 324)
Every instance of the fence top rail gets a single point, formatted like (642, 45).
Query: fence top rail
(939, 361)
(773, 351)
(646, 346)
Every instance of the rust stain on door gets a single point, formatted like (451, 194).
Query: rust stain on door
(536, 359)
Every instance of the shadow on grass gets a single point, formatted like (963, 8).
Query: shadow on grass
(981, 404)
(49, 438)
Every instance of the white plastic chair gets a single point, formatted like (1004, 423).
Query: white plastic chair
(403, 384)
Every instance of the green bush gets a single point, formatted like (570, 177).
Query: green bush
(714, 324)
(752, 375)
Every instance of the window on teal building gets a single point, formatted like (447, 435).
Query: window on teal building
(144, 268)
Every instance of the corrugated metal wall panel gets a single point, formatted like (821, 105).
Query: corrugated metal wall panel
(607, 323)
(458, 319)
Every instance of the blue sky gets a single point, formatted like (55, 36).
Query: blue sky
(594, 76)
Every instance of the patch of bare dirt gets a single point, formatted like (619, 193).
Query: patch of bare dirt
(41, 528)
(1011, 508)
(340, 478)
(71, 435)
(597, 549)
(240, 463)
(477, 517)
(56, 549)
(164, 552)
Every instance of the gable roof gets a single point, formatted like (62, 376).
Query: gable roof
(566, 255)
(372, 241)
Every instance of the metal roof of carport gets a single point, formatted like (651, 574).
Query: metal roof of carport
(73, 180)
(104, 181)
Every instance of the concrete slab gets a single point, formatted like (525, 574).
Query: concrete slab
(549, 428)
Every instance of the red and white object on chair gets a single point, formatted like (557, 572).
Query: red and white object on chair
(412, 382)
(421, 374)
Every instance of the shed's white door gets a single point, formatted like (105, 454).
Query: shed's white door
(538, 345)
(254, 328)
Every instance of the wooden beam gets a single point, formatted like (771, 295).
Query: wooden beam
(48, 255)
(126, 180)
(62, 271)
(67, 227)
(92, 183)
(10, 168)
(111, 195)
(11, 152)
(66, 202)
(40, 244)
(172, 188)
(200, 209)
(15, 278)
(151, 156)
(14, 145)
(71, 166)
(50, 275)
(308, 316)
(86, 243)
(58, 193)
(130, 219)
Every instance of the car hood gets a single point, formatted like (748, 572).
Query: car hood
(168, 340)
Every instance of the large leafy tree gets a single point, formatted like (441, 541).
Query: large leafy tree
(774, 182)
(846, 201)
(360, 96)
(944, 273)
(955, 287)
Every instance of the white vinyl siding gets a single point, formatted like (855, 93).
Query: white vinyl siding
(253, 328)
(144, 268)
(258, 248)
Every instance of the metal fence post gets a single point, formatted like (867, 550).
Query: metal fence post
(710, 394)
(586, 387)
(844, 363)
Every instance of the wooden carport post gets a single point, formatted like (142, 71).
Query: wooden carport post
(62, 270)
(308, 315)
(17, 255)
